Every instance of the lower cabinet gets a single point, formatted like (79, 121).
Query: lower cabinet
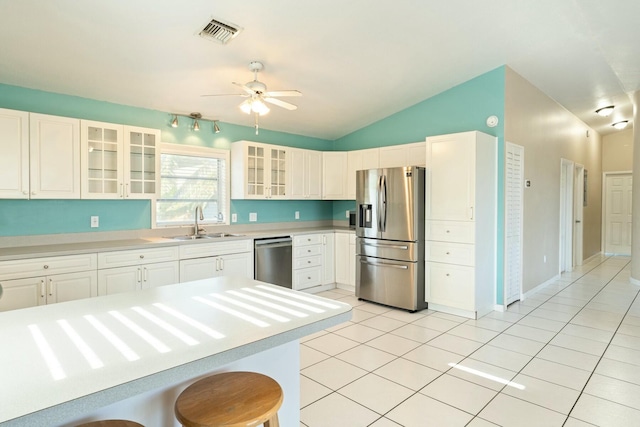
(345, 251)
(307, 261)
(224, 265)
(206, 260)
(137, 277)
(33, 291)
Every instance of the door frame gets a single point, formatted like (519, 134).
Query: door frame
(578, 214)
(566, 216)
(603, 225)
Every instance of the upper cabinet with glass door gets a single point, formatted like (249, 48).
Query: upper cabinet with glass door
(119, 162)
(258, 171)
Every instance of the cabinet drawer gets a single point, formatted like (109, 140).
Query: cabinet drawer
(307, 239)
(137, 257)
(45, 266)
(308, 261)
(307, 251)
(451, 231)
(450, 285)
(451, 253)
(307, 277)
(199, 250)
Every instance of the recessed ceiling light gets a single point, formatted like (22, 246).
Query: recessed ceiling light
(621, 125)
(605, 111)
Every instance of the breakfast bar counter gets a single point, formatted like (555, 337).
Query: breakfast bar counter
(129, 355)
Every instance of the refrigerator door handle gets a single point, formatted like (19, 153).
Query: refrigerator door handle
(385, 264)
(404, 247)
(382, 203)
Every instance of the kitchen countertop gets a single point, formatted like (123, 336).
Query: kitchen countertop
(53, 249)
(65, 358)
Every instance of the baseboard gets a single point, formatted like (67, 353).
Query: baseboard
(499, 307)
(350, 288)
(539, 287)
(634, 281)
(596, 255)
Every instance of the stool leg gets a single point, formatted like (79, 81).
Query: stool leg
(273, 422)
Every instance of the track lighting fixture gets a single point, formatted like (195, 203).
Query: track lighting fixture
(621, 125)
(196, 119)
(605, 111)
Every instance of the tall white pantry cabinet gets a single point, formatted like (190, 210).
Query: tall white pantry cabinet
(461, 223)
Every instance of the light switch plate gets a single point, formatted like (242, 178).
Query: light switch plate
(95, 221)
(297, 215)
(253, 216)
(234, 217)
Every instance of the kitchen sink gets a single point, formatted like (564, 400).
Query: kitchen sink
(207, 236)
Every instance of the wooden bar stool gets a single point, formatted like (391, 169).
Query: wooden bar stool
(111, 423)
(230, 399)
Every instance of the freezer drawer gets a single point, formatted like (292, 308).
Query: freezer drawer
(389, 249)
(390, 282)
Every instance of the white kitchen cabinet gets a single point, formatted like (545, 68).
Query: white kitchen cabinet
(54, 153)
(360, 160)
(328, 258)
(119, 162)
(37, 281)
(345, 258)
(102, 160)
(141, 163)
(34, 291)
(307, 261)
(334, 175)
(413, 154)
(206, 260)
(305, 177)
(14, 161)
(258, 171)
(131, 270)
(460, 223)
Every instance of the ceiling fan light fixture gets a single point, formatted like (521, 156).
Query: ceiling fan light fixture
(174, 122)
(605, 111)
(216, 128)
(621, 125)
(196, 125)
(259, 107)
(246, 106)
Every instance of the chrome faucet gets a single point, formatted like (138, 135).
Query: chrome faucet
(197, 228)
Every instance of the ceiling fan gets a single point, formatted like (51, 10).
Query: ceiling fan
(257, 95)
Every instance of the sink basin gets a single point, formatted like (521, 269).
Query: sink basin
(201, 236)
(213, 235)
(207, 236)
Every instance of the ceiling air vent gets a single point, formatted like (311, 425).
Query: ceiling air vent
(219, 31)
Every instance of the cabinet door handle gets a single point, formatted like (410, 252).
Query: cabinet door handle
(50, 287)
(121, 190)
(221, 263)
(42, 290)
(145, 274)
(139, 275)
(471, 212)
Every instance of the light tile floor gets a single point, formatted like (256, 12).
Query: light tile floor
(569, 355)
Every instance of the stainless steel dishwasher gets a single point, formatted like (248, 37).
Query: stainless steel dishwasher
(273, 260)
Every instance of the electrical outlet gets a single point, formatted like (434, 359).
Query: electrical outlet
(95, 221)
(253, 217)
(347, 214)
(234, 217)
(297, 215)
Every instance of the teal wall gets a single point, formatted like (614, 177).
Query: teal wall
(32, 217)
(461, 108)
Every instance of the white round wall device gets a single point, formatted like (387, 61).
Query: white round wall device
(492, 121)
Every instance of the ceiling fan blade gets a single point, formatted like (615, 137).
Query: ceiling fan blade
(284, 93)
(244, 87)
(244, 95)
(280, 103)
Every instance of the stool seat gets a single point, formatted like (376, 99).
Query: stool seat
(111, 423)
(230, 399)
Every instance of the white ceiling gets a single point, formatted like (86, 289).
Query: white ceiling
(355, 61)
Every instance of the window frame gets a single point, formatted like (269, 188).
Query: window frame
(195, 151)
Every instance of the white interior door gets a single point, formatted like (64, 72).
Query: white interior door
(578, 207)
(566, 215)
(617, 216)
(514, 221)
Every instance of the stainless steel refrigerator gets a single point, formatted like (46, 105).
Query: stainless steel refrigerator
(390, 236)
